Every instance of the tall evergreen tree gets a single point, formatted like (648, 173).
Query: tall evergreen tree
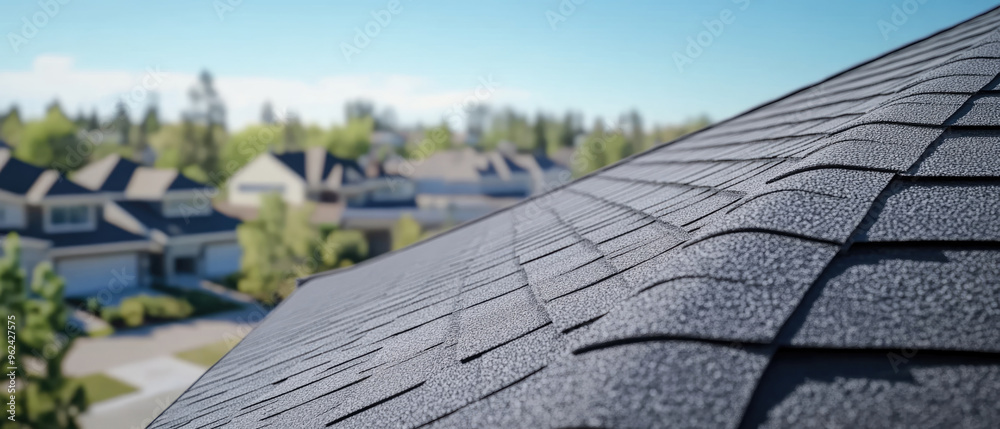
(122, 124)
(568, 130)
(540, 130)
(94, 122)
(149, 125)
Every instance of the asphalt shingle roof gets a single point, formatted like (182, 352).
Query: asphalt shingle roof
(297, 162)
(150, 215)
(16, 176)
(827, 258)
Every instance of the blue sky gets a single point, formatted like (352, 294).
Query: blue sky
(601, 58)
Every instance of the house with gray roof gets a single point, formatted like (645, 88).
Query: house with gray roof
(826, 259)
(196, 241)
(311, 175)
(62, 222)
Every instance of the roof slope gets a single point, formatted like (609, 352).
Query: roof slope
(301, 162)
(16, 176)
(151, 215)
(116, 174)
(831, 256)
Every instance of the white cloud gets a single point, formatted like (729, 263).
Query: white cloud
(322, 101)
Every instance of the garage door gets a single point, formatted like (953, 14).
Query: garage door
(90, 275)
(222, 259)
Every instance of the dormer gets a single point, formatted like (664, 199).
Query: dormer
(66, 206)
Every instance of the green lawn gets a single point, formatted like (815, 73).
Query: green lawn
(207, 355)
(100, 387)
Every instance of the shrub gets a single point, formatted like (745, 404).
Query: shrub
(165, 307)
(111, 315)
(200, 302)
(139, 309)
(132, 312)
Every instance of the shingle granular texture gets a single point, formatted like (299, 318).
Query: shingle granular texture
(831, 258)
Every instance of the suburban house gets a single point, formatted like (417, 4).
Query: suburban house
(65, 223)
(829, 258)
(312, 175)
(470, 184)
(342, 191)
(446, 189)
(176, 213)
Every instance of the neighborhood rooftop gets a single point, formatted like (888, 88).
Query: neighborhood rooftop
(829, 258)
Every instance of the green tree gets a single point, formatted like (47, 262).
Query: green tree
(353, 139)
(510, 126)
(12, 297)
(541, 138)
(243, 146)
(269, 263)
(668, 133)
(405, 232)
(344, 248)
(635, 137)
(151, 120)
(294, 135)
(435, 139)
(568, 130)
(11, 127)
(299, 235)
(49, 141)
(121, 124)
(56, 402)
(599, 149)
(150, 125)
(93, 123)
(47, 399)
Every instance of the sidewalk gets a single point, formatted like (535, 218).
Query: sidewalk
(90, 355)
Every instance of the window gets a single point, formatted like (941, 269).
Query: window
(184, 265)
(70, 215)
(185, 207)
(262, 187)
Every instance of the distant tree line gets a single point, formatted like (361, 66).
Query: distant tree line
(201, 146)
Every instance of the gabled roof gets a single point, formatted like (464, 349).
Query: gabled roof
(302, 164)
(826, 259)
(116, 174)
(16, 176)
(34, 183)
(109, 174)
